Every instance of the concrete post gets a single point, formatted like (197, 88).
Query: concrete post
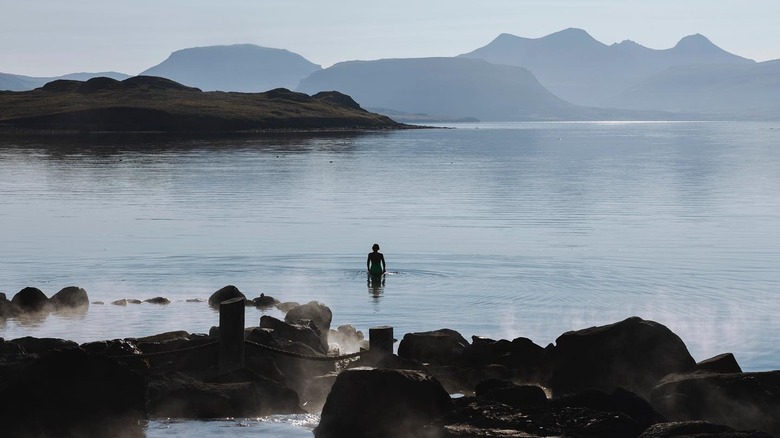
(231, 334)
(380, 341)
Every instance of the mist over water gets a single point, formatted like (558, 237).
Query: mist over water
(500, 230)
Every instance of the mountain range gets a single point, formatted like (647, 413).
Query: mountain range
(581, 70)
(567, 75)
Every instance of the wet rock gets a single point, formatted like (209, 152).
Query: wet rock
(479, 417)
(166, 337)
(194, 300)
(70, 297)
(158, 300)
(488, 385)
(296, 372)
(239, 394)
(302, 333)
(116, 347)
(440, 347)
(226, 293)
(742, 401)
(30, 299)
(133, 301)
(633, 354)
(263, 301)
(31, 345)
(722, 363)
(317, 313)
(99, 303)
(698, 429)
(382, 403)
(122, 302)
(518, 396)
(7, 308)
(620, 400)
(70, 393)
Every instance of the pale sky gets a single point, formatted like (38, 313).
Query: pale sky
(55, 37)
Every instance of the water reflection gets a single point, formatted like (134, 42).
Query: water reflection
(376, 286)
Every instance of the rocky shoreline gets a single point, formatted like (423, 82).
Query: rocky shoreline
(633, 378)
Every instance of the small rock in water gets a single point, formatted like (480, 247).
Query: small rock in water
(158, 300)
(134, 301)
(98, 302)
(264, 301)
(122, 302)
(195, 300)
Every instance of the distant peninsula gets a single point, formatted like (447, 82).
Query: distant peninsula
(154, 104)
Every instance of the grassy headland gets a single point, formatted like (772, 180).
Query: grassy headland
(152, 104)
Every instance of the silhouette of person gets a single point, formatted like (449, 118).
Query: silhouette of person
(376, 262)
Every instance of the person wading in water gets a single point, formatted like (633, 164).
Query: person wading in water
(376, 262)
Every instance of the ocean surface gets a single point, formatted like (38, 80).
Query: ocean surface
(499, 230)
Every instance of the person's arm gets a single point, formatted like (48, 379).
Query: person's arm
(384, 266)
(368, 263)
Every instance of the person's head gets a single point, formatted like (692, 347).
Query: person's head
(375, 247)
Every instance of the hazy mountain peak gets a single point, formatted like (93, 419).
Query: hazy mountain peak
(237, 67)
(627, 43)
(696, 42)
(570, 35)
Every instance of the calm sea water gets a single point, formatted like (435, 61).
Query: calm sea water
(500, 230)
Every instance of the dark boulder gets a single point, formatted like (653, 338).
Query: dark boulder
(226, 293)
(633, 354)
(70, 297)
(304, 334)
(488, 385)
(30, 299)
(70, 393)
(480, 417)
(240, 394)
(722, 363)
(518, 396)
(381, 403)
(521, 355)
(440, 347)
(261, 354)
(158, 300)
(32, 345)
(698, 429)
(317, 313)
(742, 401)
(7, 308)
(620, 400)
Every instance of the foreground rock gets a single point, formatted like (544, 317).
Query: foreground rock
(698, 429)
(238, 394)
(70, 393)
(506, 384)
(633, 354)
(382, 403)
(738, 400)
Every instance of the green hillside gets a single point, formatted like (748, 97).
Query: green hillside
(152, 104)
